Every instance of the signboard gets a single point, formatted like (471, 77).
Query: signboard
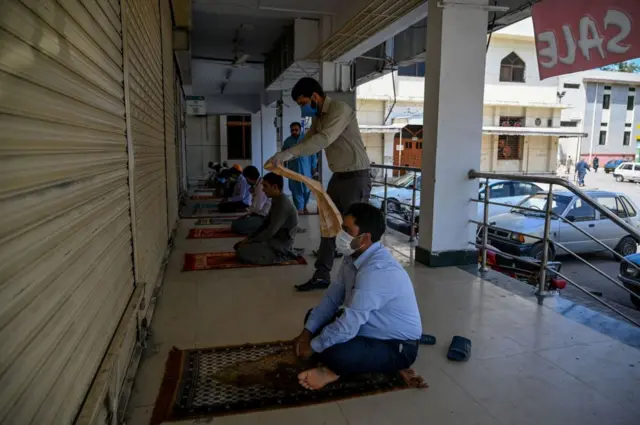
(196, 105)
(400, 147)
(577, 35)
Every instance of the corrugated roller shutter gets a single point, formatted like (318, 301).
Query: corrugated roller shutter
(65, 234)
(144, 52)
(169, 114)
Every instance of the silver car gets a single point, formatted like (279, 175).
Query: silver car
(509, 229)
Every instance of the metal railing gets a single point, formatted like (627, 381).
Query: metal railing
(380, 174)
(547, 241)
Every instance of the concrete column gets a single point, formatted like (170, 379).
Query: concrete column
(453, 101)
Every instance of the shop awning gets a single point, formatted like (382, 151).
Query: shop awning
(534, 131)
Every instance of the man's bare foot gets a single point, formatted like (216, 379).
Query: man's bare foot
(300, 212)
(305, 211)
(314, 379)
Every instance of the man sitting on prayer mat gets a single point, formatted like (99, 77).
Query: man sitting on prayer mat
(368, 320)
(273, 241)
(260, 205)
(240, 200)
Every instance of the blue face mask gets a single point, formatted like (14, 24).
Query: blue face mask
(309, 110)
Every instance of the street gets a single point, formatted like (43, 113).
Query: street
(581, 273)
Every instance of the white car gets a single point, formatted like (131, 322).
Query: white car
(400, 195)
(629, 171)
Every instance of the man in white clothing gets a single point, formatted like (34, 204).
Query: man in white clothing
(260, 205)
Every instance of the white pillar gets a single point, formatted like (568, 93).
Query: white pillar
(454, 90)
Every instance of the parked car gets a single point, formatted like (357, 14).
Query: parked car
(629, 171)
(610, 166)
(400, 193)
(630, 276)
(508, 233)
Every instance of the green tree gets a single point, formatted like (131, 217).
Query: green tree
(626, 66)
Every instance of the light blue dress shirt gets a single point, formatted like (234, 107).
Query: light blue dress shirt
(377, 299)
(241, 191)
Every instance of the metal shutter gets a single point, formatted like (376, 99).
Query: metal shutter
(169, 114)
(144, 52)
(65, 234)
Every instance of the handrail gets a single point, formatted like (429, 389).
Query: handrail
(567, 185)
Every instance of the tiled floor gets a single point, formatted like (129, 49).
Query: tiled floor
(529, 365)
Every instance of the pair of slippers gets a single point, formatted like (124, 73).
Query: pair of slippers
(459, 349)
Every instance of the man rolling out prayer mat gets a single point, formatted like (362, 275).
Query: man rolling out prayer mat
(227, 260)
(221, 233)
(221, 381)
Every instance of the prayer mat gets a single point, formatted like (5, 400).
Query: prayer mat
(219, 381)
(224, 232)
(203, 197)
(227, 260)
(216, 220)
(206, 205)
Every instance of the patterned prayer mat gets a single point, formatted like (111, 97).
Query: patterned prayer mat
(206, 205)
(230, 380)
(216, 220)
(224, 232)
(203, 197)
(226, 260)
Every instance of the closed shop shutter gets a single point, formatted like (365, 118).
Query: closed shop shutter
(144, 52)
(374, 143)
(169, 114)
(65, 235)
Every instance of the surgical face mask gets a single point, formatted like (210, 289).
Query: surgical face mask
(309, 110)
(343, 243)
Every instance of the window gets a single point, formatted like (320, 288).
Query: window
(413, 70)
(632, 89)
(512, 69)
(568, 123)
(525, 189)
(606, 101)
(239, 136)
(512, 121)
(604, 124)
(614, 205)
(539, 202)
(510, 147)
(626, 167)
(607, 87)
(630, 210)
(571, 86)
(631, 100)
(581, 211)
(500, 190)
(603, 138)
(628, 124)
(626, 139)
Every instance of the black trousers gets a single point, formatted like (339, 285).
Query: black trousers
(344, 189)
(367, 355)
(231, 207)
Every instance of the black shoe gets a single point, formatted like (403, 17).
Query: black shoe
(313, 284)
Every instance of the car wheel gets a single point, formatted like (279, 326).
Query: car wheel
(619, 178)
(393, 206)
(627, 246)
(635, 301)
(607, 171)
(537, 251)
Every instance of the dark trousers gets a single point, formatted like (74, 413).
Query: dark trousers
(367, 355)
(344, 189)
(231, 207)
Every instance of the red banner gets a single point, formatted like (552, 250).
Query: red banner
(576, 35)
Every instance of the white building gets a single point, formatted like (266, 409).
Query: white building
(514, 97)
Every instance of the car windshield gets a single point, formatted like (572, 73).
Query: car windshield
(405, 180)
(539, 203)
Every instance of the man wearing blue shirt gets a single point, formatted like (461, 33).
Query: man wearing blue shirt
(240, 200)
(368, 320)
(305, 165)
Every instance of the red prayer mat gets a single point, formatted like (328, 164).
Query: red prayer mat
(226, 260)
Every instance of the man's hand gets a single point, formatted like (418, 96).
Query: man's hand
(302, 342)
(303, 349)
(278, 159)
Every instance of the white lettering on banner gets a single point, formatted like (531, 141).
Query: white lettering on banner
(590, 39)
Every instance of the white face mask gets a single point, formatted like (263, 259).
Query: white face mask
(343, 243)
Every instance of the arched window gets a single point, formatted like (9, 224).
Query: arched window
(512, 69)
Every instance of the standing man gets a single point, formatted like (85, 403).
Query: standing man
(581, 169)
(305, 165)
(569, 164)
(596, 163)
(335, 130)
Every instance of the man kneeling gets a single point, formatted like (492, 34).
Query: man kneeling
(273, 241)
(260, 205)
(368, 320)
